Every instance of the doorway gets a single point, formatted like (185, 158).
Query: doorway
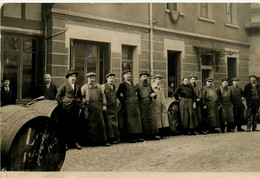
(174, 68)
(231, 68)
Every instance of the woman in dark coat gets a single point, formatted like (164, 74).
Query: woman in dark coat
(186, 95)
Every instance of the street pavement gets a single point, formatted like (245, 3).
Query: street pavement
(223, 152)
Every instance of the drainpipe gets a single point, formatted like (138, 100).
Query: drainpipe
(45, 42)
(151, 38)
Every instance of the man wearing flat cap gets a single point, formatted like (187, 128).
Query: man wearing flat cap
(110, 115)
(145, 95)
(69, 97)
(237, 101)
(95, 102)
(7, 94)
(252, 95)
(199, 121)
(160, 109)
(132, 119)
(226, 106)
(210, 106)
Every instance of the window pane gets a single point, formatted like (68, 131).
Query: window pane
(127, 58)
(229, 13)
(13, 10)
(11, 42)
(33, 11)
(92, 58)
(206, 59)
(10, 67)
(204, 10)
(174, 6)
(26, 63)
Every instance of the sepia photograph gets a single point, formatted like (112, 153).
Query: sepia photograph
(130, 89)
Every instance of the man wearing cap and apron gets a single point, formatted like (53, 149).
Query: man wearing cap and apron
(95, 102)
(145, 95)
(110, 115)
(210, 106)
(131, 111)
(160, 110)
(238, 107)
(199, 121)
(226, 106)
(68, 96)
(252, 95)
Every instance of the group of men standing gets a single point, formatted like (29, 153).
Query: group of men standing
(142, 110)
(99, 106)
(203, 110)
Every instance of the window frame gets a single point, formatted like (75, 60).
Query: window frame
(179, 8)
(209, 18)
(233, 23)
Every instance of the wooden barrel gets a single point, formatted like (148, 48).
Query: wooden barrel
(29, 141)
(49, 108)
(172, 107)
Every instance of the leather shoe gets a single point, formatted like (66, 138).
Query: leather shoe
(156, 137)
(241, 130)
(107, 144)
(248, 130)
(132, 141)
(255, 130)
(77, 146)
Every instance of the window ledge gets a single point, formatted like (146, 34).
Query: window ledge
(232, 25)
(181, 13)
(207, 20)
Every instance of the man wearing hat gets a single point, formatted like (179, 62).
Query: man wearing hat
(160, 110)
(199, 121)
(252, 95)
(238, 107)
(110, 115)
(68, 96)
(210, 106)
(131, 111)
(95, 101)
(7, 94)
(145, 95)
(226, 107)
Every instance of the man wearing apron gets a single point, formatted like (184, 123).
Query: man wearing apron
(145, 94)
(110, 115)
(95, 101)
(210, 106)
(131, 111)
(226, 107)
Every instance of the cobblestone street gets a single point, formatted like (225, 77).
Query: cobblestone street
(228, 152)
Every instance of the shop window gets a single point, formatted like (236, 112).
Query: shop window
(90, 56)
(127, 58)
(19, 63)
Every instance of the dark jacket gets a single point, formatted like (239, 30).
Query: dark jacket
(7, 97)
(184, 91)
(248, 93)
(69, 98)
(50, 93)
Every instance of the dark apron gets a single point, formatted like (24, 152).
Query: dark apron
(96, 125)
(212, 114)
(227, 106)
(110, 116)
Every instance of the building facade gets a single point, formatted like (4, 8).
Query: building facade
(171, 39)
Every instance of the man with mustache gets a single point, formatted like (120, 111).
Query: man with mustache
(110, 115)
(48, 89)
(252, 95)
(238, 107)
(145, 95)
(210, 106)
(226, 111)
(95, 102)
(126, 94)
(68, 96)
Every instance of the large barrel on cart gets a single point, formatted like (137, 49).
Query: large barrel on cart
(29, 140)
